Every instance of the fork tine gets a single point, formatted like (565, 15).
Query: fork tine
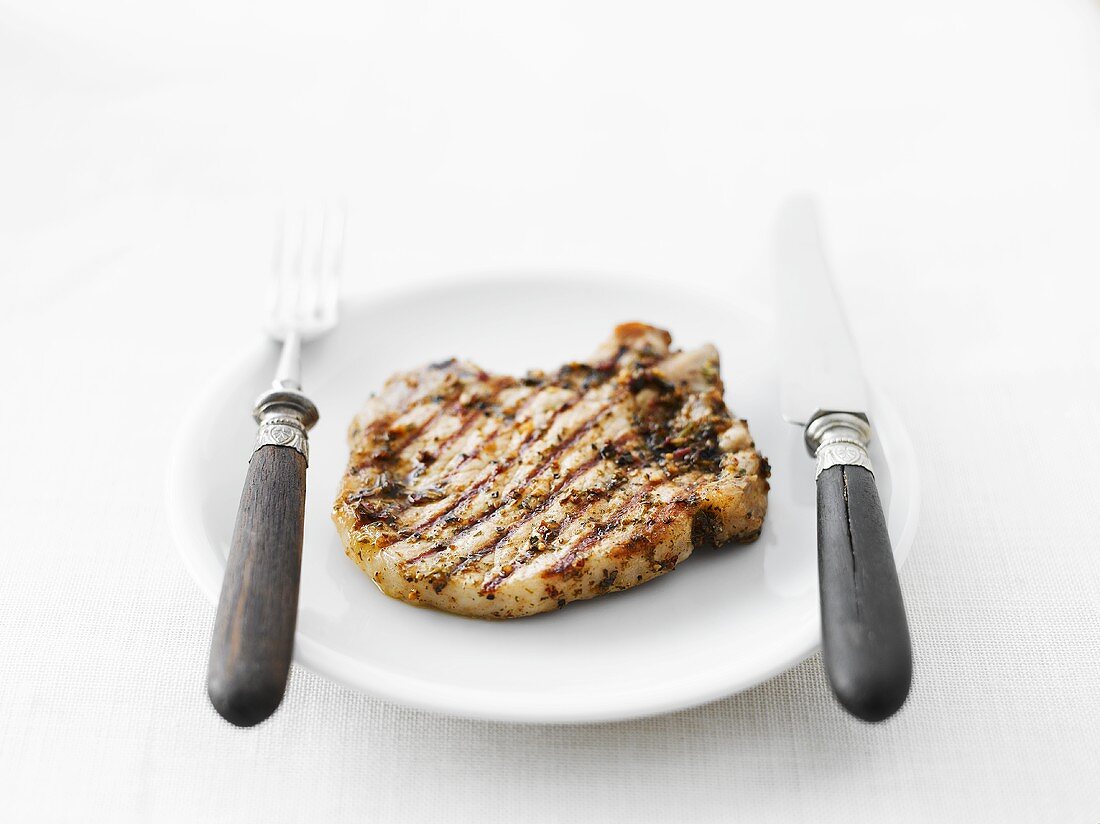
(318, 269)
(287, 282)
(301, 271)
(305, 270)
(330, 280)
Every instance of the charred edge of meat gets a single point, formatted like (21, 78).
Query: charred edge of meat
(765, 470)
(375, 512)
(612, 363)
(679, 445)
(704, 529)
(382, 500)
(585, 376)
(649, 379)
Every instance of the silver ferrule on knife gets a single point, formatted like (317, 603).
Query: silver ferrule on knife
(839, 439)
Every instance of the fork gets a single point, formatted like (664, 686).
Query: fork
(253, 637)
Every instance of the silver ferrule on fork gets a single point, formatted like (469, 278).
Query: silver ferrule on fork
(284, 416)
(839, 438)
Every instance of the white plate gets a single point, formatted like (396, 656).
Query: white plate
(724, 621)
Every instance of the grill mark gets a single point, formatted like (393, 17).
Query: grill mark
(461, 499)
(596, 534)
(451, 408)
(472, 521)
(480, 485)
(410, 398)
(439, 412)
(498, 468)
(521, 450)
(404, 403)
(471, 415)
(524, 445)
(467, 422)
(540, 467)
(476, 555)
(572, 477)
(485, 549)
(565, 561)
(515, 411)
(397, 449)
(403, 407)
(392, 412)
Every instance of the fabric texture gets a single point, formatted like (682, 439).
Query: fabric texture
(960, 195)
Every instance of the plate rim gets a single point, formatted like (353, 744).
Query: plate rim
(483, 704)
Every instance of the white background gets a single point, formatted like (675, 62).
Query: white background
(143, 150)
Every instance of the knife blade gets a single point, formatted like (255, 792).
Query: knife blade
(865, 635)
(819, 367)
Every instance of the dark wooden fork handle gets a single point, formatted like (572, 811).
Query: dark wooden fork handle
(254, 630)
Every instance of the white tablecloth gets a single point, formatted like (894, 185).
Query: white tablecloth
(955, 150)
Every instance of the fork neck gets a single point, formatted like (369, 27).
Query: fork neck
(288, 374)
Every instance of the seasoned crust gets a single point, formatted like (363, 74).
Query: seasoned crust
(494, 496)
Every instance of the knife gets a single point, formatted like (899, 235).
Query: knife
(865, 635)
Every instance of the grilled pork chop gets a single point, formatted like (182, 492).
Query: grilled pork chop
(498, 497)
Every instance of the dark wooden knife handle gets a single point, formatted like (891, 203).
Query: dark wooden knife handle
(254, 629)
(866, 647)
